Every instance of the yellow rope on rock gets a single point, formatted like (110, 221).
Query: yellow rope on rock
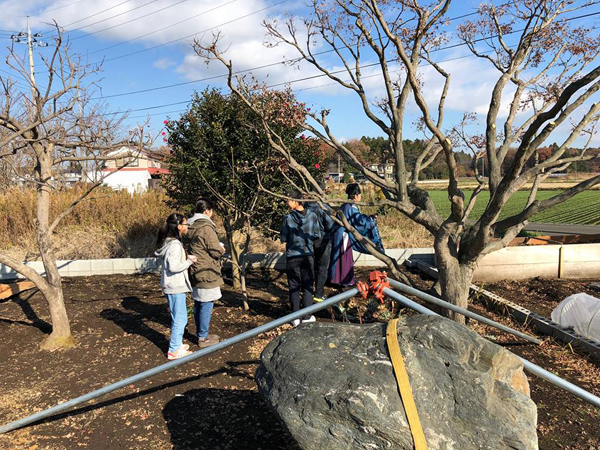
(404, 386)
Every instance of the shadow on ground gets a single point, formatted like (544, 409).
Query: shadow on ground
(22, 300)
(196, 421)
(135, 322)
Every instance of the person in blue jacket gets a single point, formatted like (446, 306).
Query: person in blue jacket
(341, 268)
(322, 247)
(299, 231)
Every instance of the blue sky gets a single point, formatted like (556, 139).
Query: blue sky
(146, 44)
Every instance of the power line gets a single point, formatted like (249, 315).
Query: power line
(215, 76)
(271, 86)
(288, 82)
(64, 6)
(145, 109)
(112, 17)
(161, 29)
(193, 34)
(448, 47)
(156, 114)
(128, 21)
(96, 14)
(312, 77)
(178, 23)
(17, 81)
(190, 18)
(319, 75)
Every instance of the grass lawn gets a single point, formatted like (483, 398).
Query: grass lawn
(583, 209)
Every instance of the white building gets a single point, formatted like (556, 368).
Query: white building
(136, 173)
(383, 170)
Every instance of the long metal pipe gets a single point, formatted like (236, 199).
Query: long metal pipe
(528, 365)
(436, 301)
(177, 362)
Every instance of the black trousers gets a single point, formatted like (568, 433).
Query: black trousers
(300, 275)
(322, 257)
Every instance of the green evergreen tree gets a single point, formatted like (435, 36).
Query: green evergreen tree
(217, 152)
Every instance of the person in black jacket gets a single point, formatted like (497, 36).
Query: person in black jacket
(322, 248)
(299, 231)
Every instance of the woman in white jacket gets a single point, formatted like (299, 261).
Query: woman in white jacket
(174, 279)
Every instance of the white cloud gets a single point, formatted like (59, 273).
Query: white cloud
(164, 63)
(472, 78)
(134, 18)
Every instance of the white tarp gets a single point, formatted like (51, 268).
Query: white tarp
(132, 180)
(580, 312)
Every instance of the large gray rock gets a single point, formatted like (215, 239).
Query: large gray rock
(333, 387)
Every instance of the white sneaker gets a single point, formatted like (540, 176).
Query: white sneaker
(179, 353)
(311, 319)
(295, 322)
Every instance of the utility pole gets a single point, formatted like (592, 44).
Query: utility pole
(339, 170)
(30, 47)
(31, 40)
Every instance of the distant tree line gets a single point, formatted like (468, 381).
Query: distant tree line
(376, 150)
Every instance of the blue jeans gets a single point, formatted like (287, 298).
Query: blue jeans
(202, 314)
(178, 307)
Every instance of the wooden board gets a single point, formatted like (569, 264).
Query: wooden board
(8, 290)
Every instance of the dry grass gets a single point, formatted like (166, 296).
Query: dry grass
(116, 224)
(397, 231)
(111, 224)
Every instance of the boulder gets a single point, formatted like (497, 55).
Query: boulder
(333, 387)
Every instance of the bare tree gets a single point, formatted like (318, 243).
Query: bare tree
(543, 70)
(53, 126)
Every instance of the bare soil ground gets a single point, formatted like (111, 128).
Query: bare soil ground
(121, 323)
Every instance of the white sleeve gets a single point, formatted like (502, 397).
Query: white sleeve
(174, 259)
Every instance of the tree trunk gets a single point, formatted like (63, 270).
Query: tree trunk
(238, 257)
(454, 279)
(61, 336)
(61, 330)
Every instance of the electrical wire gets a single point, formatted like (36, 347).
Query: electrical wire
(64, 6)
(283, 83)
(276, 85)
(126, 22)
(95, 14)
(185, 20)
(162, 29)
(112, 17)
(193, 34)
(448, 47)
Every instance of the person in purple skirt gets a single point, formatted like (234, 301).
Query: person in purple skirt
(341, 268)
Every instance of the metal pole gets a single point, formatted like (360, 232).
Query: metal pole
(31, 65)
(529, 366)
(436, 301)
(177, 362)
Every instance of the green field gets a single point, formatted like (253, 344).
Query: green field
(583, 209)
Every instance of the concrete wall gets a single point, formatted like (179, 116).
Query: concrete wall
(144, 265)
(511, 263)
(546, 261)
(81, 268)
(277, 260)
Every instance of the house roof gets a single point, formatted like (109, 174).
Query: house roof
(150, 170)
(145, 153)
